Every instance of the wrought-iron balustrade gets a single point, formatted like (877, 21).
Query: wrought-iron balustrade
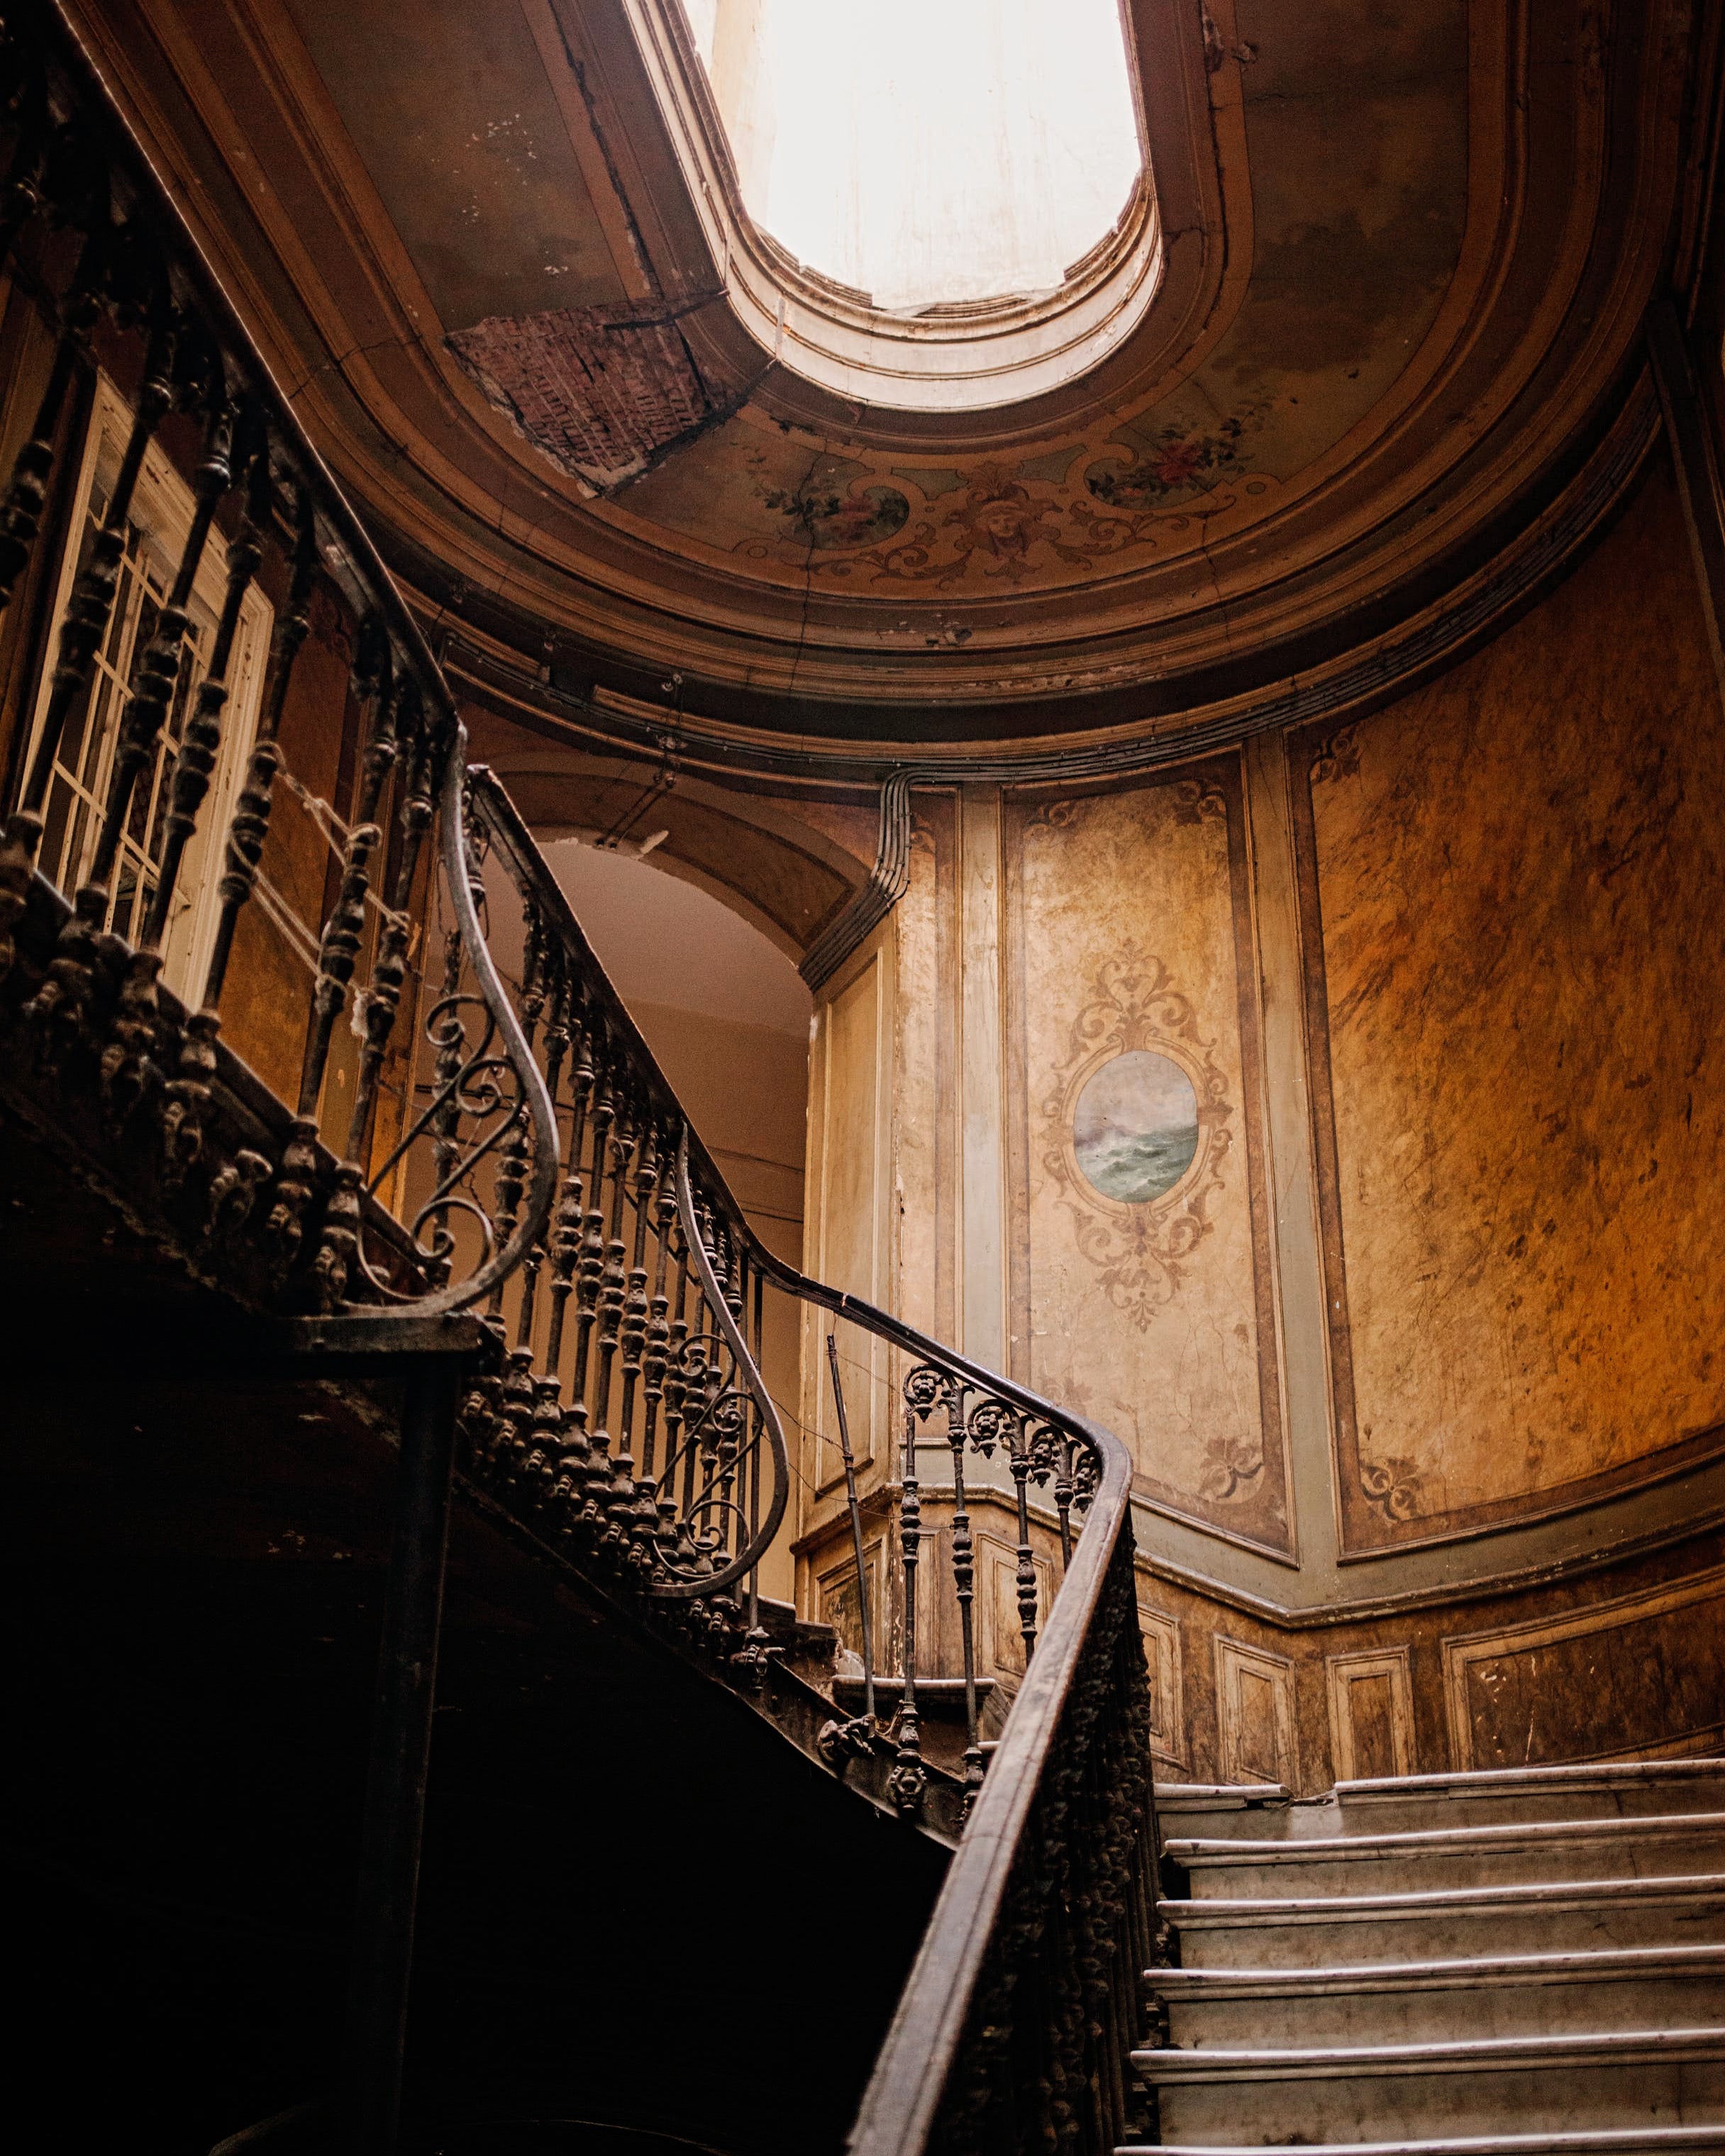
(635, 1429)
(498, 1137)
(343, 1201)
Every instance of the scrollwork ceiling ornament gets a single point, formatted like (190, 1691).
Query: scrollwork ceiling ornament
(1139, 1250)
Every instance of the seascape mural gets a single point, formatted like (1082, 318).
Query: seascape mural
(1135, 1127)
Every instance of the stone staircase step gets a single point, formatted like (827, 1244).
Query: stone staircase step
(1620, 1788)
(1334, 1930)
(1505, 1995)
(1633, 2141)
(1471, 1854)
(1349, 2094)
(1624, 1789)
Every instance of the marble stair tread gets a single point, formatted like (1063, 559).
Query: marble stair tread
(1672, 1842)
(1525, 2055)
(1464, 1973)
(1624, 1789)
(1219, 1796)
(1491, 1781)
(1611, 2141)
(1705, 1888)
(1443, 1923)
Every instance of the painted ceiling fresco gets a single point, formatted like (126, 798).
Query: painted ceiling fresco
(1356, 137)
(1406, 247)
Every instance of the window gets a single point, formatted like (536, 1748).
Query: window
(929, 206)
(927, 152)
(78, 792)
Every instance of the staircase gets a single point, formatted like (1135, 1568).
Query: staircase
(1516, 1962)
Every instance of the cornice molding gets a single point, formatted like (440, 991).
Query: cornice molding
(1534, 559)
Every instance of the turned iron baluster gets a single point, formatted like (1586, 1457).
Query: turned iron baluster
(1019, 1460)
(657, 1350)
(909, 1778)
(964, 1586)
(511, 1178)
(590, 1264)
(27, 490)
(233, 1188)
(338, 950)
(557, 1048)
(854, 1735)
(566, 1235)
(611, 1476)
(194, 766)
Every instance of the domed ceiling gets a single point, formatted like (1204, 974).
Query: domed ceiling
(1391, 373)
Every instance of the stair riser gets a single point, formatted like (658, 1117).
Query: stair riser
(1422, 2016)
(1283, 1822)
(1415, 1815)
(1449, 1936)
(1427, 2105)
(1678, 1857)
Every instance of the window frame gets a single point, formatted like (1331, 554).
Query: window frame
(162, 509)
(968, 357)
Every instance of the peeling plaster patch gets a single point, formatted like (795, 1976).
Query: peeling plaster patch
(598, 390)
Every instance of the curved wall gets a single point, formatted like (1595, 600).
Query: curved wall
(1418, 1356)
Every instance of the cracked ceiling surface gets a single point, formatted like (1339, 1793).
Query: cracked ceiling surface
(1410, 245)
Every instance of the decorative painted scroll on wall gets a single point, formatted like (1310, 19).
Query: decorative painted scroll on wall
(1141, 1264)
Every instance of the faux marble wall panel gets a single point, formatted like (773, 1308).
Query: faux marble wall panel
(1512, 891)
(1130, 937)
(1625, 1662)
(1630, 1678)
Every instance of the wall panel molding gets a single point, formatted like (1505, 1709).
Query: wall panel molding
(1637, 1677)
(1371, 1701)
(1254, 1713)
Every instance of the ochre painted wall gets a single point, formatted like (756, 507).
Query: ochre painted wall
(1417, 1360)
(1515, 887)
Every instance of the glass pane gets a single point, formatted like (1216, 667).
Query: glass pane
(90, 772)
(927, 151)
(54, 831)
(122, 609)
(125, 892)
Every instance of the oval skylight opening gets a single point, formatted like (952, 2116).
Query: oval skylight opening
(927, 153)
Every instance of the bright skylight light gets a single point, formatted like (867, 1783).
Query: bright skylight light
(926, 151)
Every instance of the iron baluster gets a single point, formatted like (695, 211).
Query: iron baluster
(656, 1354)
(855, 1736)
(233, 1188)
(557, 1048)
(249, 826)
(27, 490)
(1019, 1460)
(512, 1155)
(964, 1586)
(188, 1090)
(909, 1779)
(566, 1235)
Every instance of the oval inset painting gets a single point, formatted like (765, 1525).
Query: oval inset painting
(1135, 1127)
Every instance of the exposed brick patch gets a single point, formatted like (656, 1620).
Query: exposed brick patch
(602, 393)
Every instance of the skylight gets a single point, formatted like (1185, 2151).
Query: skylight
(927, 152)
